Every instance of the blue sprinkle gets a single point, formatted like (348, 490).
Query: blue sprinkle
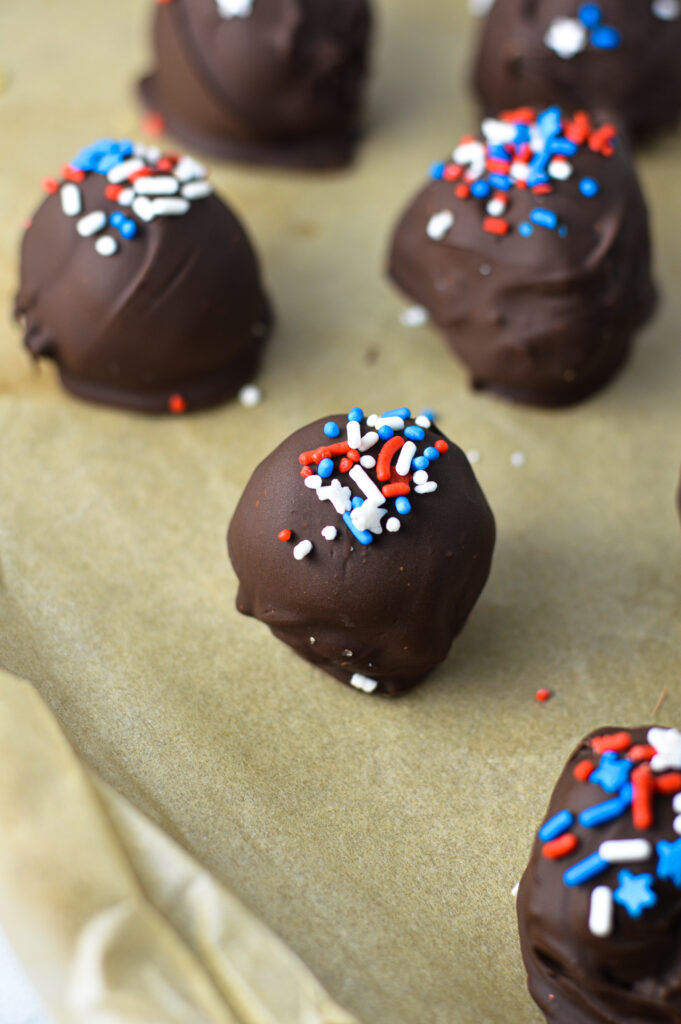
(589, 187)
(325, 468)
(432, 454)
(107, 163)
(331, 429)
(605, 38)
(116, 219)
(125, 147)
(556, 826)
(414, 433)
(585, 870)
(357, 501)
(429, 414)
(538, 179)
(420, 462)
(402, 506)
(403, 413)
(437, 171)
(562, 230)
(501, 182)
(612, 773)
(128, 228)
(600, 814)
(544, 218)
(363, 536)
(481, 189)
(563, 147)
(549, 121)
(356, 415)
(635, 892)
(590, 15)
(525, 229)
(385, 432)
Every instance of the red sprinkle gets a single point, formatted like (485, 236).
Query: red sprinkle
(72, 173)
(113, 191)
(177, 404)
(496, 166)
(153, 124)
(560, 847)
(641, 752)
(395, 490)
(327, 451)
(307, 471)
(28, 223)
(145, 172)
(617, 741)
(385, 457)
(542, 190)
(600, 140)
(164, 164)
(345, 464)
(496, 226)
(669, 783)
(284, 535)
(643, 783)
(50, 185)
(523, 115)
(452, 172)
(583, 770)
(442, 447)
(543, 695)
(462, 191)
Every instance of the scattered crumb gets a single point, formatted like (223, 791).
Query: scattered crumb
(543, 695)
(518, 459)
(658, 706)
(485, 269)
(473, 456)
(250, 395)
(153, 124)
(514, 890)
(414, 316)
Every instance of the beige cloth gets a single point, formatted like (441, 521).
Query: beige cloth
(380, 840)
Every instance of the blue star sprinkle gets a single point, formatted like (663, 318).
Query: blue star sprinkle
(635, 892)
(669, 862)
(612, 772)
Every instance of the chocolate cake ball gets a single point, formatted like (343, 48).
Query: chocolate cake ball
(529, 248)
(363, 543)
(599, 906)
(140, 283)
(263, 81)
(607, 55)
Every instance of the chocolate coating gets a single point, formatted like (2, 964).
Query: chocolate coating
(280, 84)
(545, 319)
(639, 79)
(388, 610)
(175, 319)
(633, 974)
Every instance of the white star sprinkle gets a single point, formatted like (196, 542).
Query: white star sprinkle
(667, 743)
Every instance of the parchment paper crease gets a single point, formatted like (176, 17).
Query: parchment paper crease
(380, 840)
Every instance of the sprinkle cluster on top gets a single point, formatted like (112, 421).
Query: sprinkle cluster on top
(522, 149)
(140, 179)
(392, 438)
(569, 36)
(635, 777)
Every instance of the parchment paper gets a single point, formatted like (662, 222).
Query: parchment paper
(379, 839)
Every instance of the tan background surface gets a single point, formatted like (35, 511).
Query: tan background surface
(380, 839)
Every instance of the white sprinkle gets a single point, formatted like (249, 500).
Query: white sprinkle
(395, 422)
(368, 461)
(439, 224)
(420, 476)
(473, 456)
(423, 421)
(91, 223)
(518, 459)
(363, 683)
(366, 485)
(676, 824)
(514, 890)
(601, 911)
(414, 316)
(313, 640)
(339, 496)
(126, 197)
(667, 743)
(121, 172)
(619, 851)
(250, 395)
(426, 488)
(676, 803)
(666, 10)
(144, 208)
(498, 133)
(187, 168)
(71, 199)
(314, 482)
(302, 550)
(235, 8)
(153, 154)
(485, 269)
(368, 515)
(354, 434)
(520, 171)
(561, 170)
(372, 420)
(197, 190)
(393, 524)
(368, 441)
(329, 533)
(472, 153)
(407, 453)
(479, 8)
(173, 206)
(106, 245)
(566, 37)
(496, 207)
(159, 185)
